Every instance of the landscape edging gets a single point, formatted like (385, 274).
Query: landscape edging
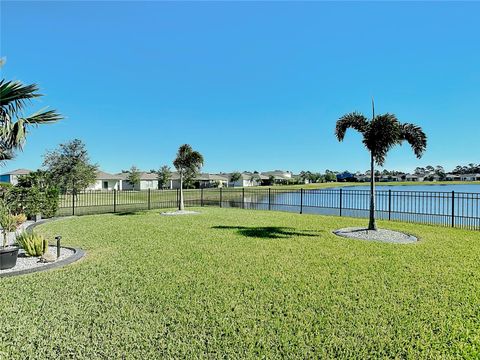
(78, 254)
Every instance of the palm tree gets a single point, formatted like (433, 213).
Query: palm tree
(14, 97)
(188, 162)
(380, 134)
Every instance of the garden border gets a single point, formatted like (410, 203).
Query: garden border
(77, 255)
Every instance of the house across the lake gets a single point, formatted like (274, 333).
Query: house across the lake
(12, 176)
(470, 177)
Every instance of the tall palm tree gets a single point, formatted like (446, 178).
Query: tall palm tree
(380, 134)
(188, 162)
(14, 97)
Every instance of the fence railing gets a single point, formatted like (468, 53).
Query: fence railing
(456, 209)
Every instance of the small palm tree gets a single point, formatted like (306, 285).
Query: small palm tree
(380, 134)
(14, 96)
(188, 162)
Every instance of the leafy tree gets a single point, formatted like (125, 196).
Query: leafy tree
(256, 178)
(419, 170)
(380, 134)
(271, 180)
(164, 176)
(188, 163)
(69, 166)
(305, 175)
(14, 97)
(234, 177)
(133, 176)
(440, 172)
(330, 176)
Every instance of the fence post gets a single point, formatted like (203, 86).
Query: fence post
(389, 204)
(301, 201)
(341, 200)
(220, 197)
(201, 197)
(453, 208)
(269, 199)
(148, 199)
(243, 198)
(114, 200)
(73, 201)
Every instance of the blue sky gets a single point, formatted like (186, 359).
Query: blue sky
(253, 86)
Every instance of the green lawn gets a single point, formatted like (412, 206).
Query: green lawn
(232, 283)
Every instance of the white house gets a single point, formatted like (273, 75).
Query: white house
(106, 181)
(147, 181)
(453, 177)
(247, 179)
(470, 177)
(12, 176)
(414, 177)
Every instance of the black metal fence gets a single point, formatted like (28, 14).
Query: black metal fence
(456, 209)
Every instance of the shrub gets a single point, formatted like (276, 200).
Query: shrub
(20, 219)
(33, 244)
(8, 222)
(32, 201)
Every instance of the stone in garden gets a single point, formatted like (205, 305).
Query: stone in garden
(48, 257)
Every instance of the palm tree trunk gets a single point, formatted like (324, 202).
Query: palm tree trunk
(372, 224)
(181, 206)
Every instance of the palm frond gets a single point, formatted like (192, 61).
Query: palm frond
(383, 134)
(43, 117)
(352, 120)
(14, 95)
(415, 136)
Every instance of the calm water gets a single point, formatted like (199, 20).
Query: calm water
(473, 188)
(416, 203)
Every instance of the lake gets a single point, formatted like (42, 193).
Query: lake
(468, 188)
(432, 204)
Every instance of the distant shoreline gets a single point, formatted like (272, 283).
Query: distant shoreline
(390, 183)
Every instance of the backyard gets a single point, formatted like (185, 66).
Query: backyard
(245, 284)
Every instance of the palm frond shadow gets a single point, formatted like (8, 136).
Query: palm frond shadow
(270, 232)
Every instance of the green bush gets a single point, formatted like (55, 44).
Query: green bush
(33, 244)
(32, 201)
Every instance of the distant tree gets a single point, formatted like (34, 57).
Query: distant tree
(440, 172)
(133, 176)
(164, 175)
(380, 134)
(14, 97)
(305, 176)
(234, 177)
(188, 163)
(419, 171)
(430, 168)
(69, 166)
(256, 178)
(330, 176)
(271, 180)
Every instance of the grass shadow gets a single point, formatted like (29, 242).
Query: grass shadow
(269, 232)
(129, 213)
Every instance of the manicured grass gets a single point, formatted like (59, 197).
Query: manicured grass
(232, 283)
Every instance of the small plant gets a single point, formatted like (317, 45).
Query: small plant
(33, 244)
(7, 222)
(20, 219)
